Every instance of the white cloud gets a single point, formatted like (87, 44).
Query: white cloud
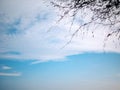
(34, 42)
(10, 74)
(6, 68)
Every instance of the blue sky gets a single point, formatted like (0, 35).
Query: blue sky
(32, 56)
(88, 71)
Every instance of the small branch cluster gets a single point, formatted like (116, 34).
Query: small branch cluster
(104, 12)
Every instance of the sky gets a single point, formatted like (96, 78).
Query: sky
(33, 56)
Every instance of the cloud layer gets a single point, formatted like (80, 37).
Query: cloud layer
(24, 33)
(10, 74)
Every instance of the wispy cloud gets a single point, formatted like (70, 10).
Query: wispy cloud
(32, 20)
(6, 73)
(6, 67)
(10, 74)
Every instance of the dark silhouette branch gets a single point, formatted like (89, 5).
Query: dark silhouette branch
(104, 12)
